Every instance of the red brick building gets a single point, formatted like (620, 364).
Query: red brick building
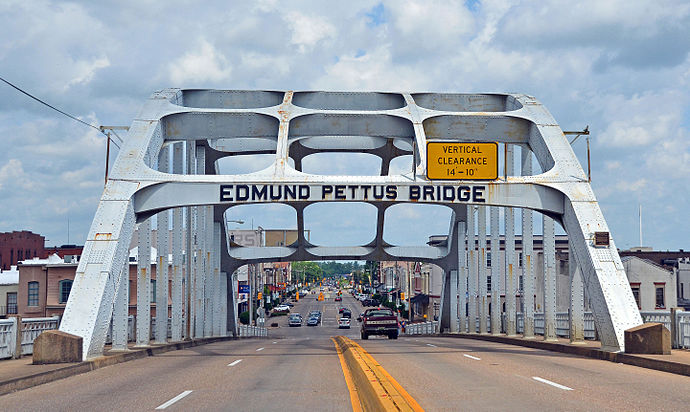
(16, 246)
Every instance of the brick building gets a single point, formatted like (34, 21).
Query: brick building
(19, 245)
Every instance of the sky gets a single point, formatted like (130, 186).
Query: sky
(620, 67)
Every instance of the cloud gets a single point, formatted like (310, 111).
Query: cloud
(308, 30)
(196, 67)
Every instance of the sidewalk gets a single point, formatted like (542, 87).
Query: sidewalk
(678, 362)
(18, 374)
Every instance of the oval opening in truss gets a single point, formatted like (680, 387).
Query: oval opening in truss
(231, 99)
(401, 165)
(275, 223)
(340, 223)
(414, 224)
(348, 100)
(244, 164)
(457, 102)
(342, 164)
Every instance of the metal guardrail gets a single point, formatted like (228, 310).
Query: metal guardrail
(32, 327)
(421, 328)
(248, 331)
(8, 338)
(563, 324)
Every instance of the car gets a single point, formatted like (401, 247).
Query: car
(344, 323)
(346, 314)
(315, 313)
(379, 321)
(313, 321)
(281, 308)
(338, 299)
(295, 320)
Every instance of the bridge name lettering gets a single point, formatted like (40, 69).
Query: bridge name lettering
(406, 193)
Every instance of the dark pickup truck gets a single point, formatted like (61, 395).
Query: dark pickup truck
(379, 321)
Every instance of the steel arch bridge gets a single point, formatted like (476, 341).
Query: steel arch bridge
(185, 191)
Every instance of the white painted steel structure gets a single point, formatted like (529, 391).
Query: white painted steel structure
(202, 126)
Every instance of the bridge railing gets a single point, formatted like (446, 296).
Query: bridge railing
(247, 331)
(421, 328)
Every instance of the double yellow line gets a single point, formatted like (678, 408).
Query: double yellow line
(371, 387)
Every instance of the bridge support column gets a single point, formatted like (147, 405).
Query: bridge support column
(549, 279)
(161, 332)
(121, 311)
(144, 283)
(495, 272)
(462, 275)
(217, 324)
(176, 295)
(527, 252)
(200, 219)
(453, 295)
(577, 300)
(483, 303)
(208, 271)
(472, 273)
(222, 293)
(511, 281)
(231, 293)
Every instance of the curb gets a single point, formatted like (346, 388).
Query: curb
(25, 382)
(587, 352)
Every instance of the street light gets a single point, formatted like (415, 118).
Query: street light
(241, 222)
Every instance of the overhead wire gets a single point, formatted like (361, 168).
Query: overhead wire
(58, 110)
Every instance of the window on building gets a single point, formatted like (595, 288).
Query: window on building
(33, 294)
(153, 290)
(635, 287)
(488, 283)
(64, 287)
(11, 303)
(520, 284)
(682, 294)
(660, 298)
(20, 255)
(488, 259)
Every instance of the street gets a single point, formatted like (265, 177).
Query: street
(298, 369)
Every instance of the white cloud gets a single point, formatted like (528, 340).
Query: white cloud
(85, 70)
(308, 30)
(202, 65)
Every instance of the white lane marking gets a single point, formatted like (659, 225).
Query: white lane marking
(471, 357)
(175, 399)
(260, 349)
(235, 362)
(429, 344)
(557, 385)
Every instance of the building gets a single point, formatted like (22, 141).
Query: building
(19, 245)
(653, 286)
(9, 280)
(44, 285)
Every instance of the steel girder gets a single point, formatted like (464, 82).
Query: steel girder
(296, 124)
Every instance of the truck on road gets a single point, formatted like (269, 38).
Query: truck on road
(379, 321)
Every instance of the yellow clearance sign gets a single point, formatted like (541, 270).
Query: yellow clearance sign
(462, 161)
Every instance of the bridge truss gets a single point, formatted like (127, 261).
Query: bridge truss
(186, 192)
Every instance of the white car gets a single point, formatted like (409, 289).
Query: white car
(344, 323)
(282, 308)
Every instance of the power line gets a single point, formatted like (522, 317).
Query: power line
(54, 108)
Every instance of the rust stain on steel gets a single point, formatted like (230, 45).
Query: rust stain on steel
(103, 236)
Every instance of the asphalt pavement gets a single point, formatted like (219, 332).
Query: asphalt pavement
(297, 368)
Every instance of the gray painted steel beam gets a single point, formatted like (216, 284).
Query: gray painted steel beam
(463, 274)
(144, 283)
(481, 254)
(577, 301)
(528, 292)
(161, 331)
(496, 272)
(510, 273)
(549, 243)
(472, 272)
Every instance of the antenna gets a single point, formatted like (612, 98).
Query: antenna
(640, 215)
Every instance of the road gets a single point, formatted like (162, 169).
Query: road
(298, 369)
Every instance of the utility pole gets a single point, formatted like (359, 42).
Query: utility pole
(107, 149)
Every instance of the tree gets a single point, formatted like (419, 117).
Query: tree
(306, 271)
